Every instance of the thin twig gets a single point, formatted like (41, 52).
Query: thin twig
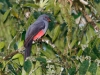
(13, 53)
(11, 42)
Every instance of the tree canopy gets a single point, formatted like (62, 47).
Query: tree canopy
(71, 45)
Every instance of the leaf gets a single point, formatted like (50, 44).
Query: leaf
(16, 56)
(55, 33)
(93, 68)
(27, 66)
(6, 15)
(72, 71)
(41, 59)
(29, 21)
(47, 51)
(43, 3)
(11, 68)
(39, 69)
(1, 65)
(73, 43)
(2, 44)
(30, 5)
(58, 70)
(20, 57)
(1, 5)
(98, 71)
(21, 60)
(20, 44)
(14, 12)
(23, 72)
(83, 67)
(13, 32)
(80, 52)
(56, 10)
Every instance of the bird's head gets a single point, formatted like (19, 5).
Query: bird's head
(44, 17)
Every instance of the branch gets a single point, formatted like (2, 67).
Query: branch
(89, 19)
(13, 53)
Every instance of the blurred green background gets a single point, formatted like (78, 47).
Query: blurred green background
(71, 44)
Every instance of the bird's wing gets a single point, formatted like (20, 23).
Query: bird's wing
(32, 31)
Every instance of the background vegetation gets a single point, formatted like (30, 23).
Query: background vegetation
(71, 45)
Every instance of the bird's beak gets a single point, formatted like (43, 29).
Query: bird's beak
(49, 20)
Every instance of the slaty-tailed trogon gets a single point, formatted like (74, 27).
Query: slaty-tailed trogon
(35, 31)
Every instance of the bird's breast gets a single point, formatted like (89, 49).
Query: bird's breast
(38, 35)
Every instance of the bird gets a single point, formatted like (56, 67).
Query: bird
(35, 32)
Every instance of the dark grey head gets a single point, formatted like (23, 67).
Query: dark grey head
(44, 17)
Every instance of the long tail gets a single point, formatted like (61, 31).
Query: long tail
(28, 50)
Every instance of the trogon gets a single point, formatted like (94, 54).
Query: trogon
(35, 31)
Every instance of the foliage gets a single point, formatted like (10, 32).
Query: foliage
(71, 46)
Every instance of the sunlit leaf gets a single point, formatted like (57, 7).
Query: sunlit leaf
(56, 33)
(21, 60)
(6, 15)
(1, 5)
(98, 71)
(80, 52)
(17, 56)
(47, 51)
(20, 44)
(43, 3)
(39, 69)
(20, 57)
(30, 5)
(2, 44)
(23, 72)
(15, 14)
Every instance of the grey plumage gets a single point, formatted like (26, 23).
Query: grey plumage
(40, 24)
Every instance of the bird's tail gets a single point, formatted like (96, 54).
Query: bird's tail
(28, 50)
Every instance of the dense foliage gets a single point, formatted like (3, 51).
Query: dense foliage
(71, 46)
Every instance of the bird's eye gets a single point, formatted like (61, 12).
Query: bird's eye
(46, 18)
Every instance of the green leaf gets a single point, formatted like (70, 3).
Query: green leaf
(56, 10)
(27, 66)
(20, 57)
(83, 67)
(41, 59)
(48, 52)
(93, 68)
(39, 69)
(20, 44)
(11, 68)
(1, 5)
(13, 32)
(72, 71)
(98, 71)
(14, 12)
(30, 5)
(6, 15)
(1, 65)
(21, 60)
(23, 72)
(2, 44)
(73, 43)
(80, 52)
(55, 33)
